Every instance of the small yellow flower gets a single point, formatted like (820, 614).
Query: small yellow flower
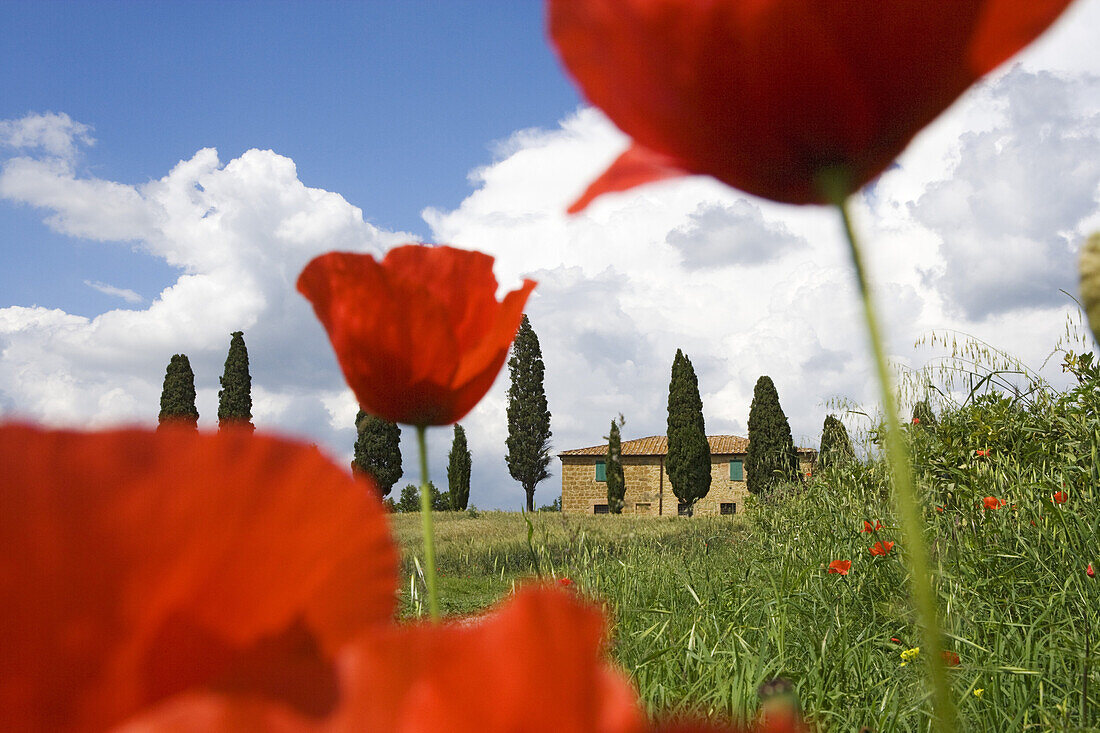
(978, 692)
(909, 655)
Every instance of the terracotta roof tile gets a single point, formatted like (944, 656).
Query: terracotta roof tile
(657, 445)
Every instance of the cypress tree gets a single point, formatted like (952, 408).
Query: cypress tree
(616, 482)
(923, 415)
(377, 450)
(458, 471)
(771, 457)
(235, 396)
(688, 461)
(177, 397)
(836, 446)
(528, 414)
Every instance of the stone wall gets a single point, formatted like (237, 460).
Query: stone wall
(648, 490)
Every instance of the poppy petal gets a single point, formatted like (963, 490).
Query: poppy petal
(766, 96)
(540, 668)
(136, 564)
(636, 166)
(420, 336)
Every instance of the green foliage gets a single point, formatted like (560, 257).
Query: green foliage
(458, 470)
(177, 398)
(616, 481)
(923, 415)
(554, 506)
(377, 450)
(836, 446)
(235, 396)
(409, 502)
(771, 457)
(528, 414)
(688, 460)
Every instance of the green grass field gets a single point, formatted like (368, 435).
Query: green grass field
(704, 610)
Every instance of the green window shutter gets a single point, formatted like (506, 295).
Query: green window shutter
(737, 472)
(601, 471)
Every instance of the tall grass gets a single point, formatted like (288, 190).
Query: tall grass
(706, 609)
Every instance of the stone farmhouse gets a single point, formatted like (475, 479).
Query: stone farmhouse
(648, 491)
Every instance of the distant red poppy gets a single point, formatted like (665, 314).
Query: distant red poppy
(981, 452)
(916, 421)
(881, 548)
(939, 509)
(868, 527)
(950, 658)
(840, 567)
(809, 474)
(768, 95)
(138, 564)
(1089, 571)
(420, 336)
(992, 502)
(895, 639)
(1060, 497)
(565, 582)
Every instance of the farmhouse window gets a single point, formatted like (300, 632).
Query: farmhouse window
(601, 509)
(729, 507)
(737, 471)
(601, 471)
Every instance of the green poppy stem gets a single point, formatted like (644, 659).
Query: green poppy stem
(905, 499)
(426, 524)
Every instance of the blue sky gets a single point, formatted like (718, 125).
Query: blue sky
(166, 169)
(389, 103)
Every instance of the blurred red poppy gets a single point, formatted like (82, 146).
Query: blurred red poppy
(536, 663)
(939, 509)
(992, 502)
(1060, 497)
(766, 96)
(137, 564)
(916, 421)
(981, 452)
(880, 548)
(840, 567)
(950, 658)
(1089, 571)
(565, 582)
(868, 527)
(420, 336)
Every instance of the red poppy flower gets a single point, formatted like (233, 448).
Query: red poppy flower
(1060, 497)
(880, 548)
(137, 564)
(1089, 571)
(565, 582)
(868, 527)
(981, 452)
(766, 96)
(840, 567)
(536, 663)
(895, 639)
(992, 502)
(950, 658)
(420, 336)
(916, 421)
(939, 509)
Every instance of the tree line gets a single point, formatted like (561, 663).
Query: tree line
(377, 450)
(772, 457)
